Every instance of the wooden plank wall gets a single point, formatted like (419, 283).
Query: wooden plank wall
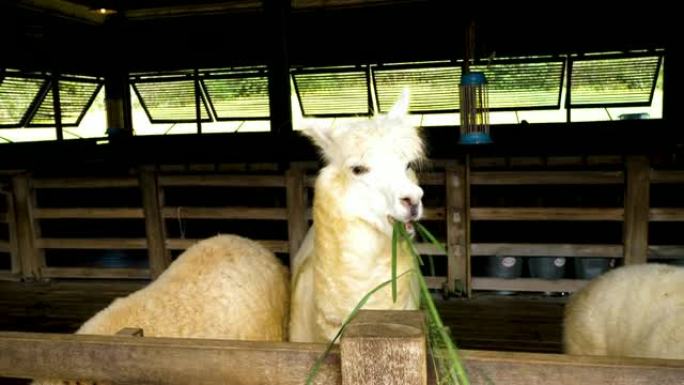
(452, 179)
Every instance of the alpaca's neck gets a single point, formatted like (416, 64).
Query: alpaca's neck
(354, 252)
(344, 241)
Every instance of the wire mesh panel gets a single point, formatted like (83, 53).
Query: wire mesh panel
(169, 101)
(16, 96)
(523, 85)
(613, 81)
(333, 92)
(75, 98)
(238, 97)
(433, 88)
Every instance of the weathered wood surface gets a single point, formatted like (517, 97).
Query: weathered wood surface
(457, 225)
(546, 177)
(297, 222)
(122, 359)
(182, 361)
(502, 368)
(155, 230)
(637, 203)
(384, 347)
(24, 202)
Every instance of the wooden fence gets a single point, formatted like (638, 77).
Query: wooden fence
(26, 216)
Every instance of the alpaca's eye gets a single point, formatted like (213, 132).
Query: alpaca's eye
(359, 170)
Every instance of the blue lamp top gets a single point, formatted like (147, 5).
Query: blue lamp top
(473, 79)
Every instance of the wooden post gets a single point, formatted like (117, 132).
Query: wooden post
(32, 259)
(296, 207)
(457, 225)
(635, 235)
(159, 256)
(385, 347)
(277, 14)
(13, 239)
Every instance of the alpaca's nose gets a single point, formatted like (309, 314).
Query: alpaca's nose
(411, 205)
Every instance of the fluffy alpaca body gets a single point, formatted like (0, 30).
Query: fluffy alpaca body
(633, 311)
(224, 287)
(203, 295)
(365, 186)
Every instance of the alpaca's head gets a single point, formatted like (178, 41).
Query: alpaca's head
(369, 167)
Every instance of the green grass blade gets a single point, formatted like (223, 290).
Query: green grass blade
(428, 236)
(317, 365)
(457, 371)
(395, 234)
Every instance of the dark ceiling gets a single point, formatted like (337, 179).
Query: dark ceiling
(71, 35)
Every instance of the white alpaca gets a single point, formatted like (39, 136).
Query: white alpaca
(224, 287)
(633, 311)
(366, 185)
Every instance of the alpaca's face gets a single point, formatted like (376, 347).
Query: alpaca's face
(370, 168)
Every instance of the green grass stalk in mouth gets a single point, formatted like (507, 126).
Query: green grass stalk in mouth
(447, 363)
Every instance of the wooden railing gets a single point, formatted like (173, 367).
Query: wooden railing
(377, 347)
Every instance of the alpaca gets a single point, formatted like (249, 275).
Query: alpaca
(224, 287)
(366, 185)
(633, 311)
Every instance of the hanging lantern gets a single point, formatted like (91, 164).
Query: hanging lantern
(474, 109)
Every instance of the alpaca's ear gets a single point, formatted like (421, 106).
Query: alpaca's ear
(401, 107)
(321, 136)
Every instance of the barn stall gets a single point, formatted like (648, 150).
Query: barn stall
(579, 179)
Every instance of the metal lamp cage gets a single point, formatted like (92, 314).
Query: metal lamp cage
(474, 109)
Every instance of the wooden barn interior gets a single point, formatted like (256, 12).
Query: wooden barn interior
(201, 105)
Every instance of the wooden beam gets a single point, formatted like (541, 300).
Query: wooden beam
(666, 251)
(277, 19)
(434, 213)
(457, 224)
(297, 223)
(528, 284)
(273, 245)
(185, 212)
(548, 249)
(486, 367)
(27, 230)
(546, 177)
(385, 347)
(667, 176)
(99, 273)
(545, 214)
(190, 9)
(155, 230)
(431, 178)
(670, 214)
(222, 180)
(84, 182)
(65, 9)
(147, 360)
(122, 359)
(90, 212)
(91, 243)
(637, 204)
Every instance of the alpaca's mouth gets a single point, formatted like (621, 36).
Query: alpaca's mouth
(408, 226)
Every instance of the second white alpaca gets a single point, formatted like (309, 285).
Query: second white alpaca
(633, 311)
(365, 187)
